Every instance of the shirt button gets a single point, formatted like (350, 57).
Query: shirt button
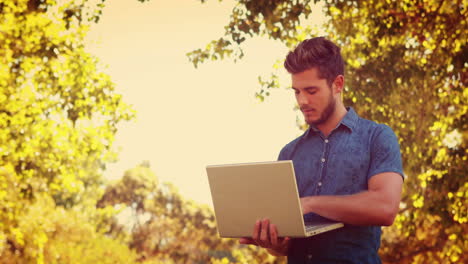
(326, 140)
(309, 256)
(320, 184)
(323, 159)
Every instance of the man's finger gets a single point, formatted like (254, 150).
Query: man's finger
(273, 235)
(256, 232)
(264, 235)
(285, 241)
(247, 241)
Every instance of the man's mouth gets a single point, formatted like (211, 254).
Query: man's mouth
(307, 110)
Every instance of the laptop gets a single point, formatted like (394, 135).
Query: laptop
(247, 192)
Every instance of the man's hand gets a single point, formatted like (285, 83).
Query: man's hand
(265, 235)
(304, 204)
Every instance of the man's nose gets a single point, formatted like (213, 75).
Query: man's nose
(301, 99)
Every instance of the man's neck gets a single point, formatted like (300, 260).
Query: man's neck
(338, 115)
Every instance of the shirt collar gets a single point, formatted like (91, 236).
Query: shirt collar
(349, 121)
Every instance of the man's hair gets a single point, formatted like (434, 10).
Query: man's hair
(316, 52)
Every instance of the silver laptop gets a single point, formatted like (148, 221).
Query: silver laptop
(245, 193)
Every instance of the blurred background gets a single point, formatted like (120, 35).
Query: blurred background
(111, 110)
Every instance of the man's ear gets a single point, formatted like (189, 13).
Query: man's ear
(338, 84)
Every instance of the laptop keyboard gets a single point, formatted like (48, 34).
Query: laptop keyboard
(313, 227)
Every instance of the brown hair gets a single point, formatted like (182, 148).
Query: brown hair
(316, 52)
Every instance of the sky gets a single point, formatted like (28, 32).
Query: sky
(189, 118)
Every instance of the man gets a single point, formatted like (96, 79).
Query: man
(348, 168)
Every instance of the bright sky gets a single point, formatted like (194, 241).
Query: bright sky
(189, 118)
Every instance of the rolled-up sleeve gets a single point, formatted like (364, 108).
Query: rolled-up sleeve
(385, 156)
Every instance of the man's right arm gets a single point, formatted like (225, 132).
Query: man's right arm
(265, 235)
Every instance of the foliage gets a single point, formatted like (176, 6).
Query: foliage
(406, 66)
(275, 18)
(58, 117)
(165, 228)
(49, 234)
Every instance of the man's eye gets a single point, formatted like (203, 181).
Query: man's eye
(310, 92)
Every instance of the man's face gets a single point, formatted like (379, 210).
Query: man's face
(314, 96)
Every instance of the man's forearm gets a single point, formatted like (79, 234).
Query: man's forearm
(377, 206)
(366, 208)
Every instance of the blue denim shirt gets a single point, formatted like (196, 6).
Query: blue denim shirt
(341, 164)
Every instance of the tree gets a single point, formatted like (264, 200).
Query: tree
(406, 66)
(58, 117)
(166, 228)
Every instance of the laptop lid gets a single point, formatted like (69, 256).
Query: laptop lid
(245, 193)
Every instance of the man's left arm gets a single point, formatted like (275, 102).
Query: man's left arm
(379, 204)
(376, 206)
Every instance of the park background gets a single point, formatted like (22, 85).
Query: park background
(110, 111)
